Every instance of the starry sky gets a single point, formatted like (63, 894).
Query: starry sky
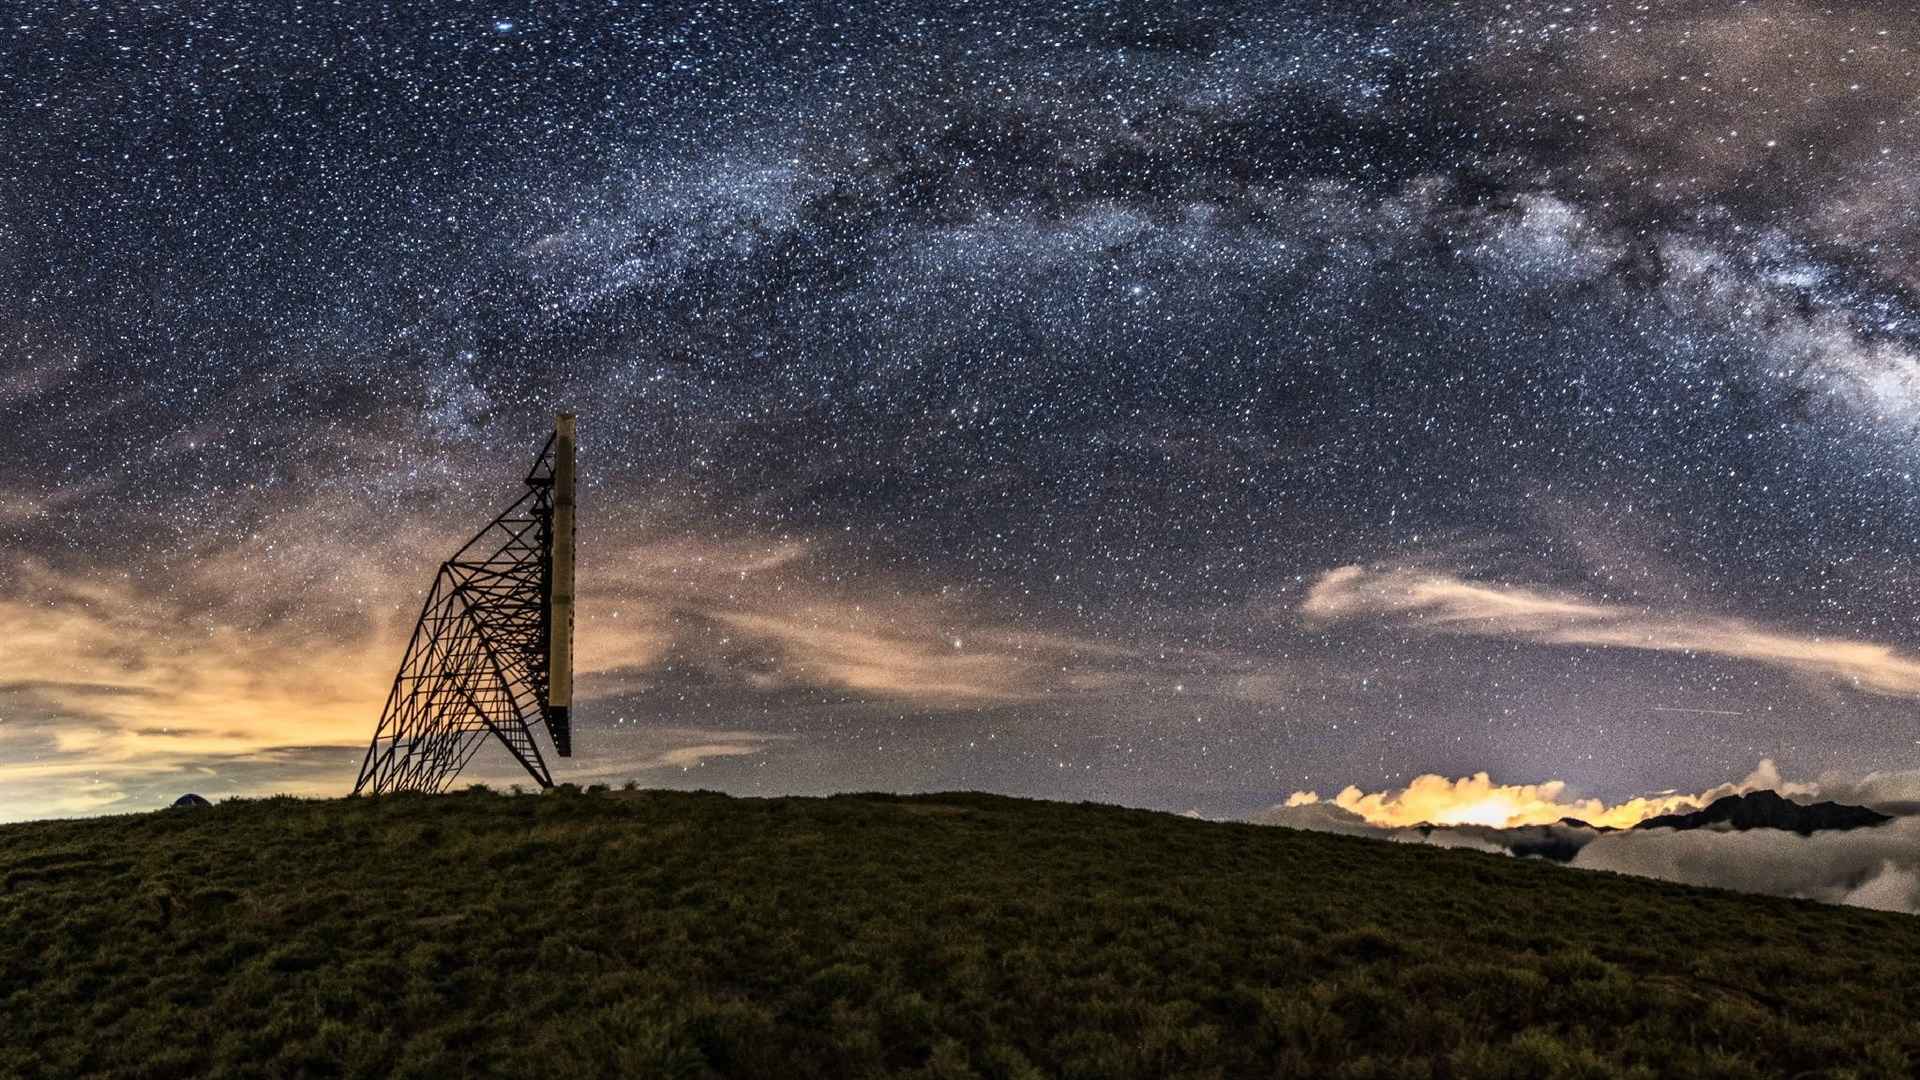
(1177, 405)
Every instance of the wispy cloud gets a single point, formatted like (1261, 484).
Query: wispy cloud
(118, 675)
(741, 744)
(883, 640)
(112, 689)
(1442, 603)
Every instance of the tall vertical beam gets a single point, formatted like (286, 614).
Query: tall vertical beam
(560, 610)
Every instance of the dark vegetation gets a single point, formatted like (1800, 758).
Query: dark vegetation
(656, 934)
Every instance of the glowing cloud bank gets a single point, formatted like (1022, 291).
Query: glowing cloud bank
(1478, 800)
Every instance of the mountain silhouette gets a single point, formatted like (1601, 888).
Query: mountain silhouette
(1769, 810)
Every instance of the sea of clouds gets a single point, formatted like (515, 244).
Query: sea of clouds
(1873, 867)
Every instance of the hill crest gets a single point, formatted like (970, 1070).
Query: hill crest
(938, 937)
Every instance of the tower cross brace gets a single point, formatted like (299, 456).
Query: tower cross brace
(491, 656)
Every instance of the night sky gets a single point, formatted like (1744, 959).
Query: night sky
(1174, 405)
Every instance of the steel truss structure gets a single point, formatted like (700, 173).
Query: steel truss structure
(491, 657)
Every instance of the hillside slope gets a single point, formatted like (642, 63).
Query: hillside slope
(661, 934)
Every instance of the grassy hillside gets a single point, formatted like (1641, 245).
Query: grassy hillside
(658, 934)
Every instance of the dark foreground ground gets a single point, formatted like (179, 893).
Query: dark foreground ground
(658, 934)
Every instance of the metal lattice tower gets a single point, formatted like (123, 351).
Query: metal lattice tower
(492, 654)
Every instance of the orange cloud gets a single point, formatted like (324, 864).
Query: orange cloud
(235, 659)
(109, 686)
(1478, 800)
(126, 676)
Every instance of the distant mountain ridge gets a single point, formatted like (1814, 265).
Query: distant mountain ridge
(1562, 840)
(1770, 810)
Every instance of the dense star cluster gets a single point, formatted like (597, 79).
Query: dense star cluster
(1170, 404)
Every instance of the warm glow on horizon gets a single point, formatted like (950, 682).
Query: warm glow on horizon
(1477, 800)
